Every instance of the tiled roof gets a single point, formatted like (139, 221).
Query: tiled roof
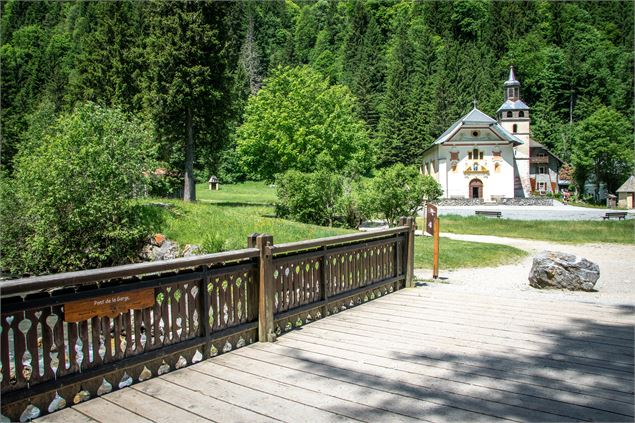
(513, 105)
(628, 186)
(477, 118)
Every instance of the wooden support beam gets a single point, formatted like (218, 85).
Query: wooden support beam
(410, 254)
(266, 332)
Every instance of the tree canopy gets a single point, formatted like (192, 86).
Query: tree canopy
(299, 121)
(413, 68)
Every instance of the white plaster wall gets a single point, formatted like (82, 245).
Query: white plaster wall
(497, 183)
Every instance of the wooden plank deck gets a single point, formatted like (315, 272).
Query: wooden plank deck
(424, 354)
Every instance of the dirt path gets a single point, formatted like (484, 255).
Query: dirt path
(616, 285)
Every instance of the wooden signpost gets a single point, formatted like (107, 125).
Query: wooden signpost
(432, 227)
(108, 305)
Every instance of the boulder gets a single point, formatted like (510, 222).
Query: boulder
(552, 269)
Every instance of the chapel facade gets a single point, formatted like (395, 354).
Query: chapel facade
(491, 159)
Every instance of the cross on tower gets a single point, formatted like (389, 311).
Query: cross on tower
(475, 103)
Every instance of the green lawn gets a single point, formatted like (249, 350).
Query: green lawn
(225, 223)
(244, 193)
(575, 232)
(455, 254)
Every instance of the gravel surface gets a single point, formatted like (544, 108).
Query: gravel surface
(616, 285)
(556, 212)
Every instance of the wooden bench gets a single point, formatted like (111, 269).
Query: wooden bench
(488, 213)
(619, 215)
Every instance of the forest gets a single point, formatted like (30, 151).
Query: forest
(187, 71)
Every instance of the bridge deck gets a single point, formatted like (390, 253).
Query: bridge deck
(419, 354)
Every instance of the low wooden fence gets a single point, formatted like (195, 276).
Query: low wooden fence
(68, 337)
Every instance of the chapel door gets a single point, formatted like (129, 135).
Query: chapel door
(476, 188)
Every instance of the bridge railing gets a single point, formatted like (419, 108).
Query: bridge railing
(72, 336)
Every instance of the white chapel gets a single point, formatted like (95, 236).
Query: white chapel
(480, 157)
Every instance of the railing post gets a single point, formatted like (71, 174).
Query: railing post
(266, 333)
(325, 285)
(251, 240)
(409, 250)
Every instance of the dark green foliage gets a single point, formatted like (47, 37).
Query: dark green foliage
(603, 145)
(398, 191)
(70, 205)
(413, 67)
(188, 80)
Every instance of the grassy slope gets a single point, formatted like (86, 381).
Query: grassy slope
(225, 225)
(576, 232)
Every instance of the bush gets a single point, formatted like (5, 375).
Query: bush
(398, 191)
(309, 197)
(71, 203)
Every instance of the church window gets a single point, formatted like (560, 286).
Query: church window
(515, 128)
(542, 170)
(496, 154)
(454, 155)
(521, 114)
(480, 155)
(516, 92)
(475, 133)
(469, 155)
(510, 92)
(475, 154)
(510, 114)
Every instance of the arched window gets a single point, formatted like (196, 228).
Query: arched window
(510, 114)
(515, 128)
(521, 114)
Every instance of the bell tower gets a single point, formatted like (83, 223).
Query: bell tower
(513, 115)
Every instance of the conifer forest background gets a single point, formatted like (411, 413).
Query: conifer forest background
(187, 69)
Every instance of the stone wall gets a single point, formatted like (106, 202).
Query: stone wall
(531, 201)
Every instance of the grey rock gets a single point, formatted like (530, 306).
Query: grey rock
(192, 250)
(553, 269)
(166, 251)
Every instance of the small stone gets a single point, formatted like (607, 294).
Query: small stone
(191, 250)
(552, 269)
(158, 240)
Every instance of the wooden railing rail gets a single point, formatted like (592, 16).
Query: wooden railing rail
(68, 337)
(41, 283)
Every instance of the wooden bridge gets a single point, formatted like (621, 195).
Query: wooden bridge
(383, 353)
(418, 354)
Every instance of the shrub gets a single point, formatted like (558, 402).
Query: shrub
(309, 197)
(71, 203)
(398, 191)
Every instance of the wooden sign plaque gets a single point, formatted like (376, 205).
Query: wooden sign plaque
(108, 305)
(431, 217)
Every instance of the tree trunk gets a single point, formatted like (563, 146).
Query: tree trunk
(189, 188)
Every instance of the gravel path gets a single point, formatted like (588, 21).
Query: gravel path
(556, 212)
(616, 285)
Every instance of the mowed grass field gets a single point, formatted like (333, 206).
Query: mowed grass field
(222, 220)
(245, 193)
(573, 232)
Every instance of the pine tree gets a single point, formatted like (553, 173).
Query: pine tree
(188, 81)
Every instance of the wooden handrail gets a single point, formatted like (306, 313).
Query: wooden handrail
(336, 240)
(40, 283)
